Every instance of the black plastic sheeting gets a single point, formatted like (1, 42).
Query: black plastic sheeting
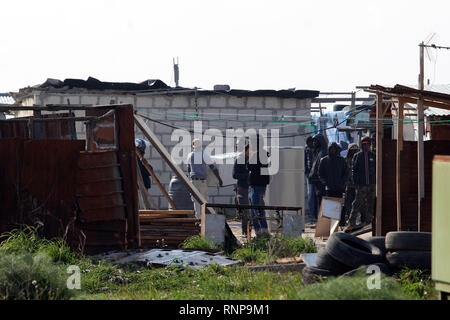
(158, 85)
(95, 84)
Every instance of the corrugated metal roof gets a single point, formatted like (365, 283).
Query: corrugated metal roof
(6, 98)
(436, 112)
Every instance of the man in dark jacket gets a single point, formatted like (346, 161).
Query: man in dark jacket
(349, 185)
(363, 173)
(333, 171)
(258, 183)
(241, 173)
(141, 146)
(308, 165)
(319, 151)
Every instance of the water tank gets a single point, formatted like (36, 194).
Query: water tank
(180, 195)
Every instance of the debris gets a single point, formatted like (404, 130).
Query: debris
(167, 257)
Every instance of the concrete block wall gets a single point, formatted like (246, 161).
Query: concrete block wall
(218, 111)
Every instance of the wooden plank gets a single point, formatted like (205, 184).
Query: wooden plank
(166, 156)
(150, 212)
(400, 119)
(155, 178)
(379, 164)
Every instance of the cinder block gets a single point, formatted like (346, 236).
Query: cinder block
(293, 225)
(236, 102)
(272, 103)
(289, 103)
(215, 228)
(218, 101)
(162, 102)
(255, 103)
(180, 101)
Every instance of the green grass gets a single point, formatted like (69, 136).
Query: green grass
(353, 288)
(27, 241)
(268, 249)
(200, 243)
(417, 283)
(32, 277)
(35, 268)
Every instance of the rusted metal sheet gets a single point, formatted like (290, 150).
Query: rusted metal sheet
(127, 159)
(408, 180)
(38, 184)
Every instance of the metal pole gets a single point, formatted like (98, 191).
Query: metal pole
(420, 149)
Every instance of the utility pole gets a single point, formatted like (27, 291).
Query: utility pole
(176, 72)
(420, 132)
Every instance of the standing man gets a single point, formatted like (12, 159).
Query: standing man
(258, 183)
(241, 174)
(364, 177)
(308, 165)
(333, 171)
(141, 146)
(319, 151)
(349, 185)
(197, 161)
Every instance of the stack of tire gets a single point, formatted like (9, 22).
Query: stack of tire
(408, 249)
(344, 254)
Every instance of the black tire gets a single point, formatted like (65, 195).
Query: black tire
(384, 268)
(408, 240)
(326, 262)
(353, 251)
(312, 275)
(379, 242)
(409, 258)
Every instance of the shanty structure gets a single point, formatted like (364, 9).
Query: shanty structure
(403, 181)
(69, 188)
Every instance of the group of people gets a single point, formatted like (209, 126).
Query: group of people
(251, 183)
(341, 171)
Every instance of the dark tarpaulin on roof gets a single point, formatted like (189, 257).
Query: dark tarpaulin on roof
(95, 84)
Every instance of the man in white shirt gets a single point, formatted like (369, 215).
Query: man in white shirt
(197, 161)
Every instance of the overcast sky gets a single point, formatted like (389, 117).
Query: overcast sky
(321, 45)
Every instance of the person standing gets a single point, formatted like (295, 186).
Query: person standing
(197, 161)
(257, 188)
(349, 185)
(363, 173)
(310, 186)
(319, 151)
(241, 174)
(333, 171)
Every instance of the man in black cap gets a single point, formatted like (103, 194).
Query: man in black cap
(364, 178)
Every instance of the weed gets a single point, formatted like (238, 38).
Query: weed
(27, 277)
(417, 283)
(200, 243)
(352, 288)
(267, 249)
(27, 241)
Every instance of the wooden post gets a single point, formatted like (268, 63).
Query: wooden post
(127, 159)
(379, 164)
(401, 105)
(152, 173)
(420, 132)
(203, 219)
